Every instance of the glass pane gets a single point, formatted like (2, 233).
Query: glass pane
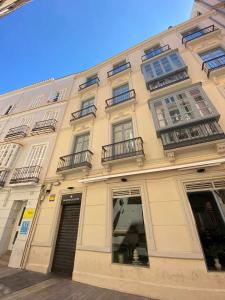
(129, 238)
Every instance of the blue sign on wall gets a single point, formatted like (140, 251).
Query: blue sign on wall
(24, 227)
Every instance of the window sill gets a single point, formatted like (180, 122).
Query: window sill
(131, 265)
(86, 118)
(120, 105)
(88, 88)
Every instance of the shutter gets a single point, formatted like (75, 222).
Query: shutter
(132, 192)
(36, 155)
(205, 185)
(8, 153)
(26, 120)
(37, 101)
(49, 115)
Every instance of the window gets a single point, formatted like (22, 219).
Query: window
(57, 95)
(81, 146)
(162, 66)
(86, 106)
(91, 80)
(26, 121)
(129, 244)
(8, 110)
(214, 58)
(120, 93)
(192, 34)
(81, 143)
(51, 115)
(7, 154)
(36, 155)
(123, 131)
(187, 105)
(119, 67)
(36, 101)
(153, 51)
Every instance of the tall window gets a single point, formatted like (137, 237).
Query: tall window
(119, 67)
(120, 93)
(50, 115)
(129, 244)
(86, 106)
(7, 154)
(37, 101)
(36, 155)
(123, 131)
(214, 58)
(192, 34)
(81, 146)
(91, 80)
(153, 51)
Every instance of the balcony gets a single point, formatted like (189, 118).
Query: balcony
(119, 69)
(75, 161)
(124, 98)
(198, 34)
(83, 114)
(125, 150)
(211, 65)
(16, 133)
(90, 83)
(26, 175)
(191, 134)
(168, 80)
(3, 175)
(46, 126)
(155, 52)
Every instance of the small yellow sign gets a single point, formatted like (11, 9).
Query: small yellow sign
(28, 213)
(51, 197)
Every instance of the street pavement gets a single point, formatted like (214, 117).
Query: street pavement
(26, 285)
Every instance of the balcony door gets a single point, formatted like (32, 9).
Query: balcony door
(120, 93)
(123, 136)
(81, 146)
(36, 155)
(214, 58)
(86, 107)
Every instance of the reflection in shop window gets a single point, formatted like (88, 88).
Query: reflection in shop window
(129, 238)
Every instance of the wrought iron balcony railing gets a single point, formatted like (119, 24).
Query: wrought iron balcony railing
(90, 110)
(213, 64)
(120, 98)
(167, 80)
(198, 33)
(26, 174)
(44, 126)
(17, 133)
(155, 52)
(89, 83)
(192, 134)
(124, 149)
(119, 69)
(3, 175)
(75, 160)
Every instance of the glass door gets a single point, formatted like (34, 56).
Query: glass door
(123, 136)
(209, 212)
(80, 148)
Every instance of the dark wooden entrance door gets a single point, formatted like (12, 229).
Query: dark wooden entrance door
(65, 248)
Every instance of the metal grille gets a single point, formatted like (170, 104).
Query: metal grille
(127, 193)
(205, 185)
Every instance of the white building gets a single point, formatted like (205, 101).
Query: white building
(29, 122)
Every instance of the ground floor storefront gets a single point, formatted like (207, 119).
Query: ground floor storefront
(159, 235)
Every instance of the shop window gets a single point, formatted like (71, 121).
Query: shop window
(129, 237)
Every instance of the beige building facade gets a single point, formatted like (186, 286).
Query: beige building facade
(136, 182)
(29, 124)
(8, 6)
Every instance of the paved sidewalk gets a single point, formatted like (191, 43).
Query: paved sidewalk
(25, 285)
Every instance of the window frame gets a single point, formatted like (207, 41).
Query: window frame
(197, 116)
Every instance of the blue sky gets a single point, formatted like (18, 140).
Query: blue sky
(53, 38)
